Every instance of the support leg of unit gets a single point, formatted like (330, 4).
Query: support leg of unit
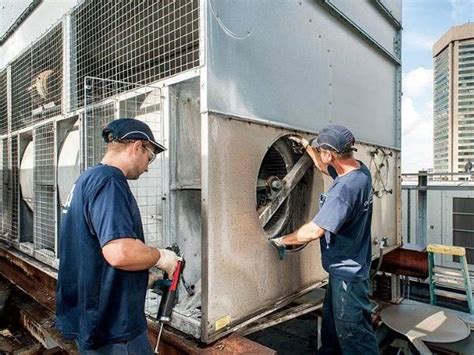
(395, 288)
(467, 283)
(431, 278)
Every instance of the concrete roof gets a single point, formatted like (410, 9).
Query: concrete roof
(455, 33)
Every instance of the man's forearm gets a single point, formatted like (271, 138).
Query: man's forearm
(305, 234)
(314, 155)
(130, 254)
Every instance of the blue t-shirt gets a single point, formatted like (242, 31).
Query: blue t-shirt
(96, 303)
(346, 215)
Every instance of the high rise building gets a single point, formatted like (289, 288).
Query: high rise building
(453, 105)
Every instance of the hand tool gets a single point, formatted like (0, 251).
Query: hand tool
(169, 293)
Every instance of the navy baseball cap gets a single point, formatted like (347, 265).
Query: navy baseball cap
(335, 137)
(130, 128)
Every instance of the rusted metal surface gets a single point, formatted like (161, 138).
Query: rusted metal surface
(407, 260)
(37, 315)
(175, 342)
(29, 283)
(39, 322)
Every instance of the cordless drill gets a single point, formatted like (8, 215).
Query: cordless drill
(169, 294)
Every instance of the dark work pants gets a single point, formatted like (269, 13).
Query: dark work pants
(347, 327)
(140, 345)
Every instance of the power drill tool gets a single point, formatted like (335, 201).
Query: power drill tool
(169, 293)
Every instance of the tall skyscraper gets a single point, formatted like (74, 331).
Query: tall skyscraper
(453, 104)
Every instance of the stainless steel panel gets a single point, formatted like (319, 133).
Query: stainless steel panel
(298, 65)
(366, 15)
(394, 7)
(241, 271)
(185, 144)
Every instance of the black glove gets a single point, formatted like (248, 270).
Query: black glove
(279, 245)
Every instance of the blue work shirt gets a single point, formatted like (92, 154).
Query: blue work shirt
(346, 215)
(96, 303)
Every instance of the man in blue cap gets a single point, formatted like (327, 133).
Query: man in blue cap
(343, 226)
(104, 262)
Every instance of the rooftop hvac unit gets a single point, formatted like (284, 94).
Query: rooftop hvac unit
(135, 41)
(255, 91)
(3, 102)
(36, 79)
(262, 73)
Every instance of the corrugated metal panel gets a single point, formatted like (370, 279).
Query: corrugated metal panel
(135, 41)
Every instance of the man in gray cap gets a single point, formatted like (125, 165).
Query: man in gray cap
(104, 262)
(342, 225)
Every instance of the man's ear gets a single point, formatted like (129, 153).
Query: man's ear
(137, 145)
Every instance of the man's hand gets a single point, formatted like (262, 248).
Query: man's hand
(168, 261)
(279, 245)
(300, 141)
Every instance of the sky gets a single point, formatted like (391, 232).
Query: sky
(424, 22)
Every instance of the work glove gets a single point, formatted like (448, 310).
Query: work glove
(300, 141)
(168, 261)
(279, 245)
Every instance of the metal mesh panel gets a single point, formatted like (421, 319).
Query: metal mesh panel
(44, 230)
(97, 117)
(21, 98)
(37, 81)
(137, 41)
(148, 189)
(142, 103)
(3, 103)
(44, 207)
(44, 155)
(12, 191)
(2, 181)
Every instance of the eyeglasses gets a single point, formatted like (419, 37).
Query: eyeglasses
(151, 154)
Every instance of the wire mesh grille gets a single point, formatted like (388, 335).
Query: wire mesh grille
(44, 155)
(37, 81)
(96, 118)
(12, 191)
(44, 206)
(3, 103)
(137, 41)
(143, 103)
(44, 227)
(2, 181)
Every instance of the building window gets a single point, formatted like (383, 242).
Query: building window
(463, 226)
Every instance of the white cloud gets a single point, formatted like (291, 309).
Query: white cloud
(418, 82)
(417, 120)
(459, 9)
(418, 41)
